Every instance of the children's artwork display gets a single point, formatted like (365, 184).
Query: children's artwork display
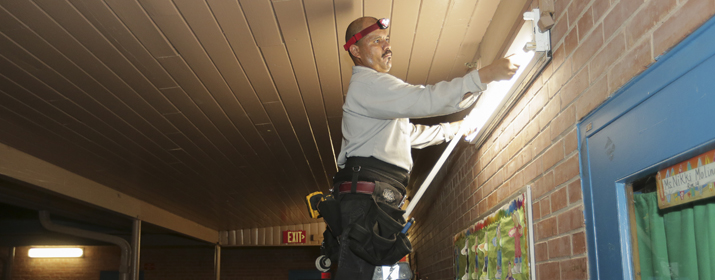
(497, 246)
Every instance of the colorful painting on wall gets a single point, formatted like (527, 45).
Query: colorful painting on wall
(496, 247)
(687, 181)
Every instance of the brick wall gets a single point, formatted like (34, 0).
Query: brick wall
(599, 45)
(186, 263)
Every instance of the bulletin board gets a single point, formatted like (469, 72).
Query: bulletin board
(499, 245)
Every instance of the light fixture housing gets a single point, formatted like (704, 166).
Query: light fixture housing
(55, 252)
(531, 49)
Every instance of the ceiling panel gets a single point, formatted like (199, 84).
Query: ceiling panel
(227, 112)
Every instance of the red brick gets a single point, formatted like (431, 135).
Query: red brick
(652, 13)
(540, 143)
(683, 22)
(570, 220)
(517, 182)
(593, 97)
(575, 9)
(585, 24)
(553, 155)
(474, 213)
(536, 208)
(503, 192)
(520, 121)
(571, 142)
(574, 269)
(557, 60)
(563, 121)
(622, 11)
(513, 166)
(566, 170)
(599, 9)
(492, 200)
(549, 112)
(588, 48)
(571, 41)
(632, 64)
(560, 247)
(575, 87)
(545, 206)
(560, 8)
(559, 199)
(524, 155)
(574, 191)
(549, 270)
(533, 170)
(561, 75)
(546, 228)
(608, 55)
(530, 132)
(537, 103)
(578, 241)
(515, 146)
(544, 185)
(541, 252)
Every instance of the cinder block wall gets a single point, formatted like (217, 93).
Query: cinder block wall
(180, 263)
(599, 45)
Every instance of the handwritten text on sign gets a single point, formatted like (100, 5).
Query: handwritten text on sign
(294, 237)
(689, 179)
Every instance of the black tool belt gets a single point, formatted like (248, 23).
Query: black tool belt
(377, 237)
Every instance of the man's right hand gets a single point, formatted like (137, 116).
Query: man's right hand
(500, 69)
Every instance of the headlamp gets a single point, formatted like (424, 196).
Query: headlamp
(381, 24)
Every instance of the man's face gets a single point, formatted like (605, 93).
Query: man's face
(375, 52)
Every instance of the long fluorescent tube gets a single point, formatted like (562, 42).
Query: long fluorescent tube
(55, 252)
(531, 50)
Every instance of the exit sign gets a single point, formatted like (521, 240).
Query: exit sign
(294, 237)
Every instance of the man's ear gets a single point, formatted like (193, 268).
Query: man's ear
(354, 50)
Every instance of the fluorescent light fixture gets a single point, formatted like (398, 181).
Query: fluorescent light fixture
(55, 252)
(531, 50)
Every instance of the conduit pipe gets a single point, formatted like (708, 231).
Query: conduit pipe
(123, 244)
(136, 245)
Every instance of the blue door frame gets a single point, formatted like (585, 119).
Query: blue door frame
(663, 116)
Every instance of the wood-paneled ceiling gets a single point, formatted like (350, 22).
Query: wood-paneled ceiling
(226, 112)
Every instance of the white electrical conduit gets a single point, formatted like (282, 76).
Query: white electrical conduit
(123, 244)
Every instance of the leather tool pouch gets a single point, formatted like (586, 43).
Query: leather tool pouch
(377, 238)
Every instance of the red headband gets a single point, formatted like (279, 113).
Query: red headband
(381, 24)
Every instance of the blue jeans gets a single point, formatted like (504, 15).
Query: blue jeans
(350, 266)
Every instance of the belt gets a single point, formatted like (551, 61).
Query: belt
(362, 187)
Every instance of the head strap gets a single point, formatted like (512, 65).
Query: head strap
(381, 24)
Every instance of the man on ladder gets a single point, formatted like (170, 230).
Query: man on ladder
(375, 158)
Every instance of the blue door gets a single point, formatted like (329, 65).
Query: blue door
(664, 116)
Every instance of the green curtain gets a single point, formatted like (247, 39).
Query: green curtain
(675, 243)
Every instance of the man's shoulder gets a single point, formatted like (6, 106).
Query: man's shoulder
(366, 75)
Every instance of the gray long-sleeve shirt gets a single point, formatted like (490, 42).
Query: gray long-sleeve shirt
(378, 107)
